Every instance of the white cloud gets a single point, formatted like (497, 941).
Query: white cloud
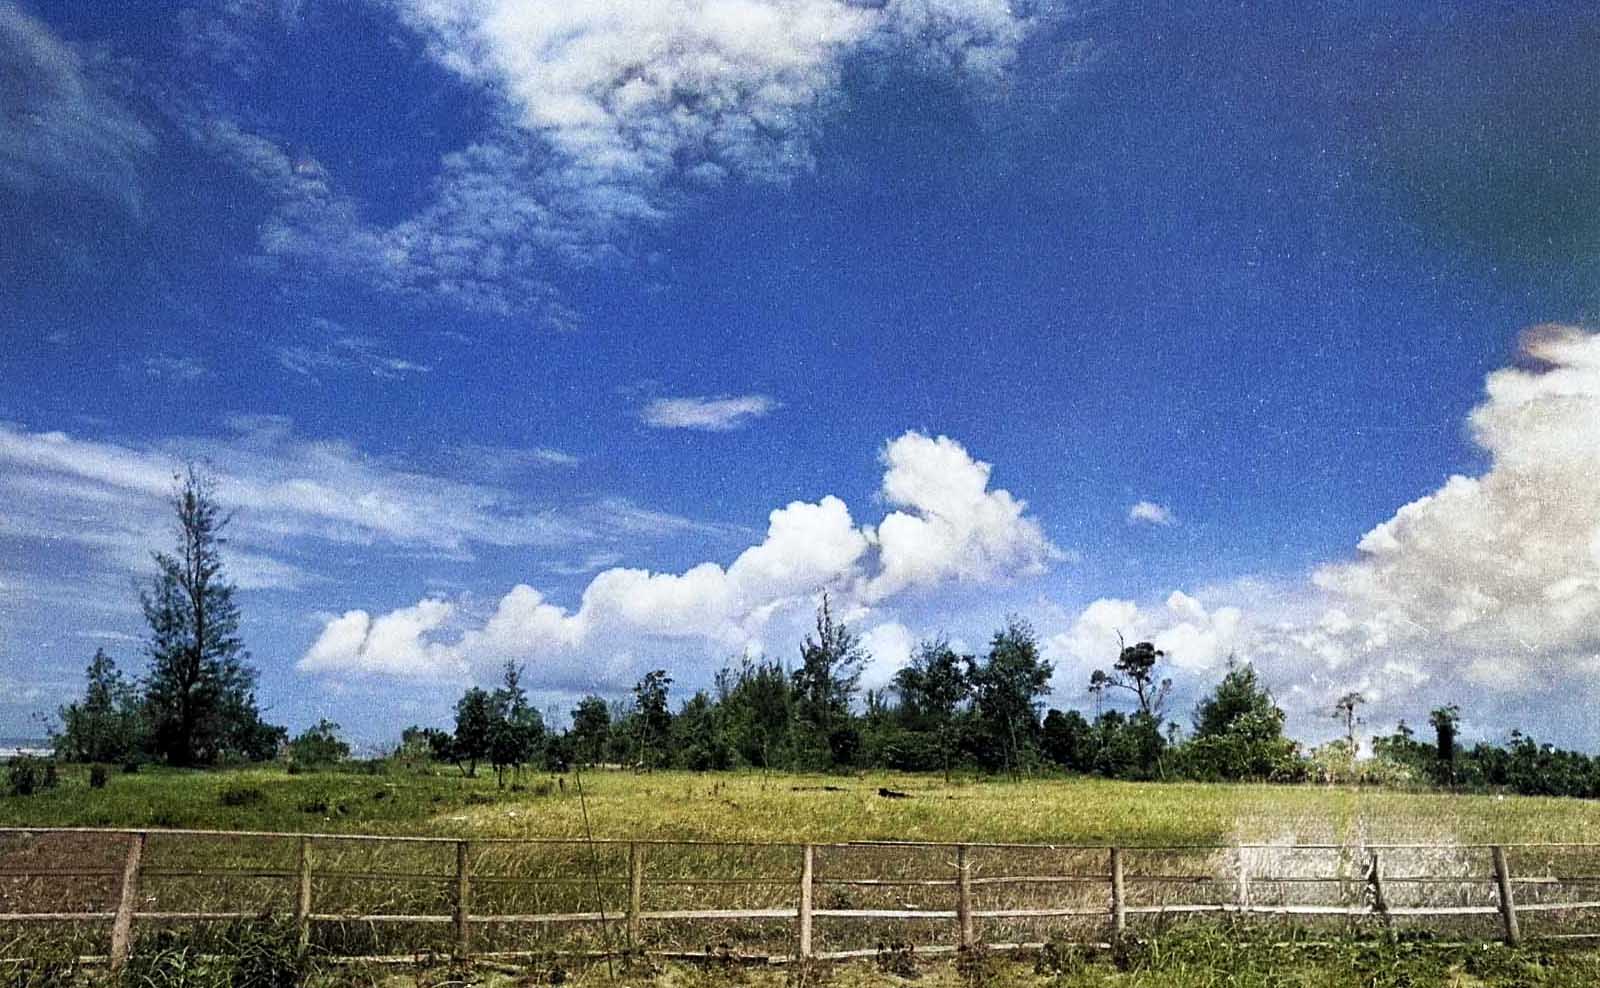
(1197, 640)
(767, 593)
(890, 644)
(58, 127)
(391, 645)
(609, 116)
(954, 527)
(1485, 592)
(1150, 513)
(347, 353)
(175, 368)
(706, 414)
(289, 492)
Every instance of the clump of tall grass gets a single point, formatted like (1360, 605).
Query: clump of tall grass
(243, 955)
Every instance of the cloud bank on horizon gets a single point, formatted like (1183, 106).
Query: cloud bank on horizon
(948, 527)
(1486, 590)
(1490, 583)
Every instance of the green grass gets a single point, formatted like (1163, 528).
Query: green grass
(787, 807)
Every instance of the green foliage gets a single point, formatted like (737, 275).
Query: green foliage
(199, 694)
(474, 737)
(1007, 688)
(591, 725)
(319, 746)
(824, 685)
(652, 718)
(108, 724)
(26, 775)
(1239, 733)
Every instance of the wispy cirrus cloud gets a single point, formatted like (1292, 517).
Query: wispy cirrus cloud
(59, 126)
(290, 491)
(608, 117)
(706, 414)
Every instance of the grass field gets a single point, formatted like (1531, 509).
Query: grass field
(786, 807)
(826, 809)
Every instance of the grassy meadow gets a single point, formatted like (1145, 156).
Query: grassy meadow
(793, 808)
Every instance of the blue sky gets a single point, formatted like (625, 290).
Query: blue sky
(461, 300)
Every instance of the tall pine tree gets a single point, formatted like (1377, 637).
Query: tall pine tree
(200, 689)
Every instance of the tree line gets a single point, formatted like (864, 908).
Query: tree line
(195, 705)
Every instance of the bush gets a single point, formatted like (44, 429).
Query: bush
(98, 776)
(241, 796)
(319, 746)
(28, 775)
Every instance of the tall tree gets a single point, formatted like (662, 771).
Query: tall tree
(200, 689)
(475, 724)
(1344, 710)
(652, 718)
(516, 730)
(1445, 721)
(931, 690)
(1135, 672)
(1007, 690)
(591, 724)
(1240, 694)
(830, 670)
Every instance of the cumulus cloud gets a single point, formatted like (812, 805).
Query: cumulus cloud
(1486, 590)
(1150, 513)
(58, 126)
(626, 615)
(1503, 570)
(390, 645)
(1197, 640)
(706, 414)
(953, 527)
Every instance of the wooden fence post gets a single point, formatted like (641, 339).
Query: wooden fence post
(1119, 910)
(463, 901)
(122, 926)
(1508, 906)
(1244, 878)
(1380, 899)
(635, 892)
(808, 866)
(964, 896)
(302, 905)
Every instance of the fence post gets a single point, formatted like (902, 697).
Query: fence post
(1244, 878)
(635, 892)
(1508, 906)
(302, 905)
(1119, 910)
(807, 879)
(1380, 900)
(122, 926)
(463, 901)
(964, 896)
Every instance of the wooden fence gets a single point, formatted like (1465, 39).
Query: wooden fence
(1085, 894)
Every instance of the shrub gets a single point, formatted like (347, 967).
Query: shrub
(318, 746)
(241, 796)
(98, 776)
(27, 775)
